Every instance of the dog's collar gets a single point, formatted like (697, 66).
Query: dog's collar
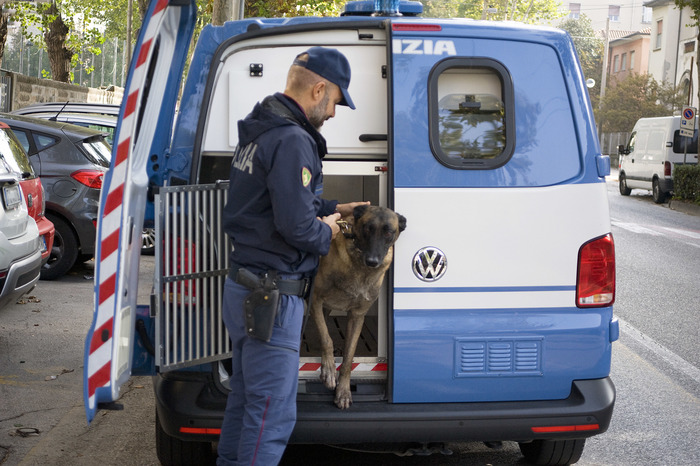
(346, 229)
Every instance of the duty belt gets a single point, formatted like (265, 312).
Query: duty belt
(285, 286)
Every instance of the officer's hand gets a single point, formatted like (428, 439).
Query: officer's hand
(346, 209)
(332, 221)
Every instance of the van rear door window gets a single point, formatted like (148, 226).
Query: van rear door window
(684, 144)
(471, 107)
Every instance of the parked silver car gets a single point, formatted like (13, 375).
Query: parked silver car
(20, 252)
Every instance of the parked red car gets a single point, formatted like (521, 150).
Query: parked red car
(13, 154)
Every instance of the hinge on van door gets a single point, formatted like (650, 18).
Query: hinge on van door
(256, 69)
(384, 71)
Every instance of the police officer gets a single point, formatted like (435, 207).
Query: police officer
(278, 225)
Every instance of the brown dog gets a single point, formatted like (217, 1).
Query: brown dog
(349, 279)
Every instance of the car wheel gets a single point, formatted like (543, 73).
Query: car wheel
(175, 452)
(656, 193)
(552, 452)
(624, 190)
(148, 241)
(64, 252)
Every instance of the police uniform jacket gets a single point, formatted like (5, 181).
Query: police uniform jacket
(274, 194)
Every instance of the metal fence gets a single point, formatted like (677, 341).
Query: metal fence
(609, 143)
(5, 92)
(192, 260)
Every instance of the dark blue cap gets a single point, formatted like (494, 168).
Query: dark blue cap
(332, 65)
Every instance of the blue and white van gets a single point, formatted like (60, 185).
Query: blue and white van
(496, 321)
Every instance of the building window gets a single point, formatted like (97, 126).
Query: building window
(574, 10)
(632, 60)
(616, 63)
(614, 12)
(624, 62)
(659, 33)
(472, 107)
(689, 47)
(646, 14)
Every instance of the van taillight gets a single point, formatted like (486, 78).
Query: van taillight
(595, 284)
(90, 178)
(667, 168)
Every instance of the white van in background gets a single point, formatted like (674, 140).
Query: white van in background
(654, 148)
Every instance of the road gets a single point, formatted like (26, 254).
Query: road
(656, 366)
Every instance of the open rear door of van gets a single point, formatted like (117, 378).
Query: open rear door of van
(142, 135)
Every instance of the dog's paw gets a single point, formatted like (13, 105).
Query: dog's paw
(328, 373)
(343, 398)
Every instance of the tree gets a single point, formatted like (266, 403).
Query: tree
(66, 28)
(531, 12)
(283, 8)
(590, 50)
(694, 6)
(637, 96)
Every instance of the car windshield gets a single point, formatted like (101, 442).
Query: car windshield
(12, 153)
(97, 150)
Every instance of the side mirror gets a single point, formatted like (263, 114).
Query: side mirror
(622, 149)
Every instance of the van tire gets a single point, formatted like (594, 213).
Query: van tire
(656, 193)
(64, 252)
(553, 452)
(172, 451)
(624, 190)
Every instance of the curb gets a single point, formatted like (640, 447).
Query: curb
(689, 208)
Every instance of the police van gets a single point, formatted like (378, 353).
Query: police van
(496, 319)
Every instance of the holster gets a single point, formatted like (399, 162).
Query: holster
(261, 304)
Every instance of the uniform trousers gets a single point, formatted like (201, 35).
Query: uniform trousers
(261, 407)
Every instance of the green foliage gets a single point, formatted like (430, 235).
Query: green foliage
(637, 96)
(531, 12)
(590, 49)
(79, 16)
(686, 182)
(285, 8)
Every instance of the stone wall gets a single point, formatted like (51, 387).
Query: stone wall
(26, 90)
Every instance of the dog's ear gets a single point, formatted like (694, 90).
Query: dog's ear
(359, 211)
(402, 222)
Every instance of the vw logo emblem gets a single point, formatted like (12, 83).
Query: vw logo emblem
(429, 264)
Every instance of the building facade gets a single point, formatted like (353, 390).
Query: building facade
(628, 54)
(673, 47)
(627, 16)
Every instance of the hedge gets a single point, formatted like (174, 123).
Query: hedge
(686, 183)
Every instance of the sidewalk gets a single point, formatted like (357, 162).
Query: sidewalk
(686, 207)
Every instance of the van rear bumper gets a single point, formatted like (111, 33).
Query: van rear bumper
(182, 403)
(590, 403)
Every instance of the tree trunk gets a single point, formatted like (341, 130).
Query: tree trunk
(143, 7)
(221, 12)
(3, 34)
(55, 39)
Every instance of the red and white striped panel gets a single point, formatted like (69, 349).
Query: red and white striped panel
(356, 367)
(99, 367)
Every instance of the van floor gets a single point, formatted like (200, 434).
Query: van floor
(367, 345)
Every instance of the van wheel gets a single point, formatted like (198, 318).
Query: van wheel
(148, 241)
(175, 452)
(64, 252)
(656, 193)
(624, 190)
(553, 452)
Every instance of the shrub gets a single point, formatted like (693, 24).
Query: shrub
(686, 183)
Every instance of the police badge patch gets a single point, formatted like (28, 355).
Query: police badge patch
(305, 176)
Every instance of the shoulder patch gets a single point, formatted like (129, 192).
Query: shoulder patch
(305, 176)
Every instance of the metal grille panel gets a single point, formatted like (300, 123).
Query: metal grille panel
(192, 260)
(498, 357)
